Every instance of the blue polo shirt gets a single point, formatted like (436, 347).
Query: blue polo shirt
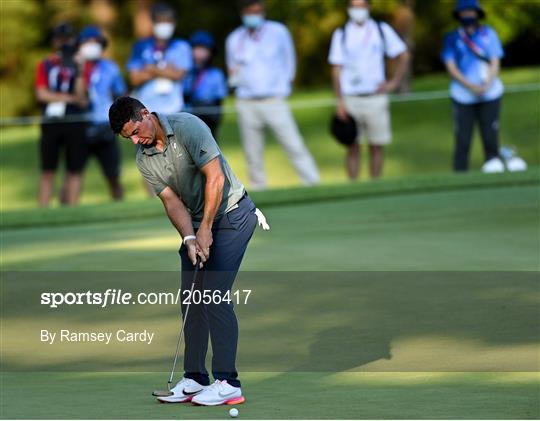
(160, 94)
(471, 66)
(205, 86)
(104, 83)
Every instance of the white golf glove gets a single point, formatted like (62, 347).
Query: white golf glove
(262, 220)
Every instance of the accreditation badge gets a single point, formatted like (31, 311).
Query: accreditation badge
(163, 86)
(356, 75)
(484, 71)
(55, 109)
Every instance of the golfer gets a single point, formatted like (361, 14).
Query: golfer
(211, 210)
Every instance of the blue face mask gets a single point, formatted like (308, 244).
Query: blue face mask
(469, 21)
(252, 21)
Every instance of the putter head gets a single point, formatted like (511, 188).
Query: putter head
(162, 393)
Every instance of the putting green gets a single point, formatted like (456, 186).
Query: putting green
(280, 396)
(450, 340)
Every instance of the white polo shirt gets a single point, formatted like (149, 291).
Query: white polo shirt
(361, 55)
(263, 62)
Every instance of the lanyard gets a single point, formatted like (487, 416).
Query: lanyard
(88, 72)
(65, 76)
(92, 76)
(475, 48)
(198, 80)
(257, 36)
(365, 40)
(158, 54)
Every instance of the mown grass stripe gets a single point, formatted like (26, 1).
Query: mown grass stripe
(276, 197)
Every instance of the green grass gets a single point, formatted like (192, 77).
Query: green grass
(422, 144)
(145, 208)
(456, 338)
(411, 297)
(467, 228)
(283, 396)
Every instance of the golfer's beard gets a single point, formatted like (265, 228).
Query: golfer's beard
(149, 144)
(152, 140)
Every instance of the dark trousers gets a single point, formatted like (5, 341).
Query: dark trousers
(102, 143)
(212, 121)
(67, 136)
(231, 234)
(465, 115)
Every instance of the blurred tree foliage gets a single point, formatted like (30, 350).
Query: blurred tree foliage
(25, 25)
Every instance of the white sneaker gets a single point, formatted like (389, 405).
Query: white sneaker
(516, 164)
(219, 393)
(184, 391)
(494, 165)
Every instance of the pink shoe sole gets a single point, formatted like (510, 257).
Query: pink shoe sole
(234, 401)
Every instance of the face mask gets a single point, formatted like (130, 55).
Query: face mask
(469, 21)
(68, 50)
(359, 15)
(252, 21)
(91, 50)
(163, 30)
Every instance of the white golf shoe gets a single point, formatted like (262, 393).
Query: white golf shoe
(219, 393)
(184, 391)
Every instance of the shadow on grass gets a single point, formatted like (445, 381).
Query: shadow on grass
(294, 321)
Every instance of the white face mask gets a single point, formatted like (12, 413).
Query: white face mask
(253, 21)
(91, 50)
(163, 30)
(358, 14)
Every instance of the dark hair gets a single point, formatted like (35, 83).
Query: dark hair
(122, 110)
(62, 30)
(161, 9)
(242, 4)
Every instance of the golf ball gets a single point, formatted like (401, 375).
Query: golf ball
(233, 412)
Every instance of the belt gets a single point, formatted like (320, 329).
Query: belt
(261, 98)
(366, 95)
(243, 197)
(237, 204)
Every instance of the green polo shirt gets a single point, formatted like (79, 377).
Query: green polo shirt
(189, 146)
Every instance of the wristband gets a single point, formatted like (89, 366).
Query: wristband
(188, 237)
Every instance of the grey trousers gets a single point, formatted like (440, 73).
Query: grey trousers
(256, 114)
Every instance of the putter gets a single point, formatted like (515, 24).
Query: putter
(180, 336)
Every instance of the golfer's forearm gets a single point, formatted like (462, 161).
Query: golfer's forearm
(178, 215)
(181, 221)
(213, 194)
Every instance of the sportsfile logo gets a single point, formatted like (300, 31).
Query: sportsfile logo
(120, 297)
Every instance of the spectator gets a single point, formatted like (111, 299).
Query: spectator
(103, 83)
(158, 64)
(261, 63)
(472, 55)
(357, 55)
(205, 85)
(60, 91)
